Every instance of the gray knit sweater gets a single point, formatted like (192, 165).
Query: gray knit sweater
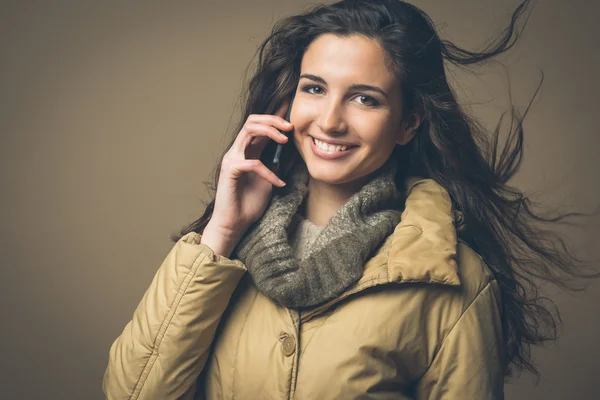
(303, 235)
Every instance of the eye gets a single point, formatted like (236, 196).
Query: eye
(371, 102)
(367, 101)
(308, 88)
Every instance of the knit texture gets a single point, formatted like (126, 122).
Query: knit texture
(303, 236)
(339, 251)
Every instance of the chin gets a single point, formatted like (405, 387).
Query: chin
(326, 174)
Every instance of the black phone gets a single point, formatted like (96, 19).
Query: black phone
(278, 153)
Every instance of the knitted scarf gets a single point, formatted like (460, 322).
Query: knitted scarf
(339, 252)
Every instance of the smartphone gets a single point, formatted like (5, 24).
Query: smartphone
(279, 149)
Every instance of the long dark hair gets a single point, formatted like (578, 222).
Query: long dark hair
(449, 146)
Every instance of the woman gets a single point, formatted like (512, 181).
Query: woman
(395, 262)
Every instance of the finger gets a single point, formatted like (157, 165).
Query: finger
(276, 121)
(259, 130)
(257, 134)
(256, 166)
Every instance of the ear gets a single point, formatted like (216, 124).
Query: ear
(408, 128)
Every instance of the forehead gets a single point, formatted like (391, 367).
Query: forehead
(353, 59)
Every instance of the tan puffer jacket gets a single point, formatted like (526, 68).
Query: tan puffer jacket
(423, 322)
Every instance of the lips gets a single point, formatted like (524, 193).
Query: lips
(330, 155)
(349, 145)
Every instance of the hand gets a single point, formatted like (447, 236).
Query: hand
(245, 183)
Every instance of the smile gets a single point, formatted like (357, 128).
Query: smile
(329, 152)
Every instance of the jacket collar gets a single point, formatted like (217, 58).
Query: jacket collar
(422, 247)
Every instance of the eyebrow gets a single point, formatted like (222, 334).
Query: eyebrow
(355, 86)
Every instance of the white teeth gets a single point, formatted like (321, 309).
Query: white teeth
(328, 147)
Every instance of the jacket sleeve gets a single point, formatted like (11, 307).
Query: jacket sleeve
(469, 364)
(164, 347)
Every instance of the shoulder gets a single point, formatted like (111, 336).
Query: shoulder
(473, 272)
(477, 280)
(468, 341)
(446, 304)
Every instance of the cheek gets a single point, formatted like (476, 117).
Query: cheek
(300, 137)
(373, 132)
(301, 116)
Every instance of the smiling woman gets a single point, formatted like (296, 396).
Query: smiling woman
(342, 99)
(394, 262)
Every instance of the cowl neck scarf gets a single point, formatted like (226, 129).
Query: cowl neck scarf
(336, 259)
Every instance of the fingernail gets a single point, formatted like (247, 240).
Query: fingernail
(282, 183)
(288, 123)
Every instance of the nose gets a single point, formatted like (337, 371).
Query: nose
(331, 118)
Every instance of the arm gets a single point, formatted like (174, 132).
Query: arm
(469, 364)
(163, 349)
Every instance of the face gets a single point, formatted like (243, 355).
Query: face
(346, 94)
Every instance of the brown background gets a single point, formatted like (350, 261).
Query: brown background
(113, 114)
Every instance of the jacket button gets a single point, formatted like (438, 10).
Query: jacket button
(288, 346)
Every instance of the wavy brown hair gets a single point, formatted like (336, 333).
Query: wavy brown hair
(449, 146)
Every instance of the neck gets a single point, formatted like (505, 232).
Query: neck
(324, 199)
